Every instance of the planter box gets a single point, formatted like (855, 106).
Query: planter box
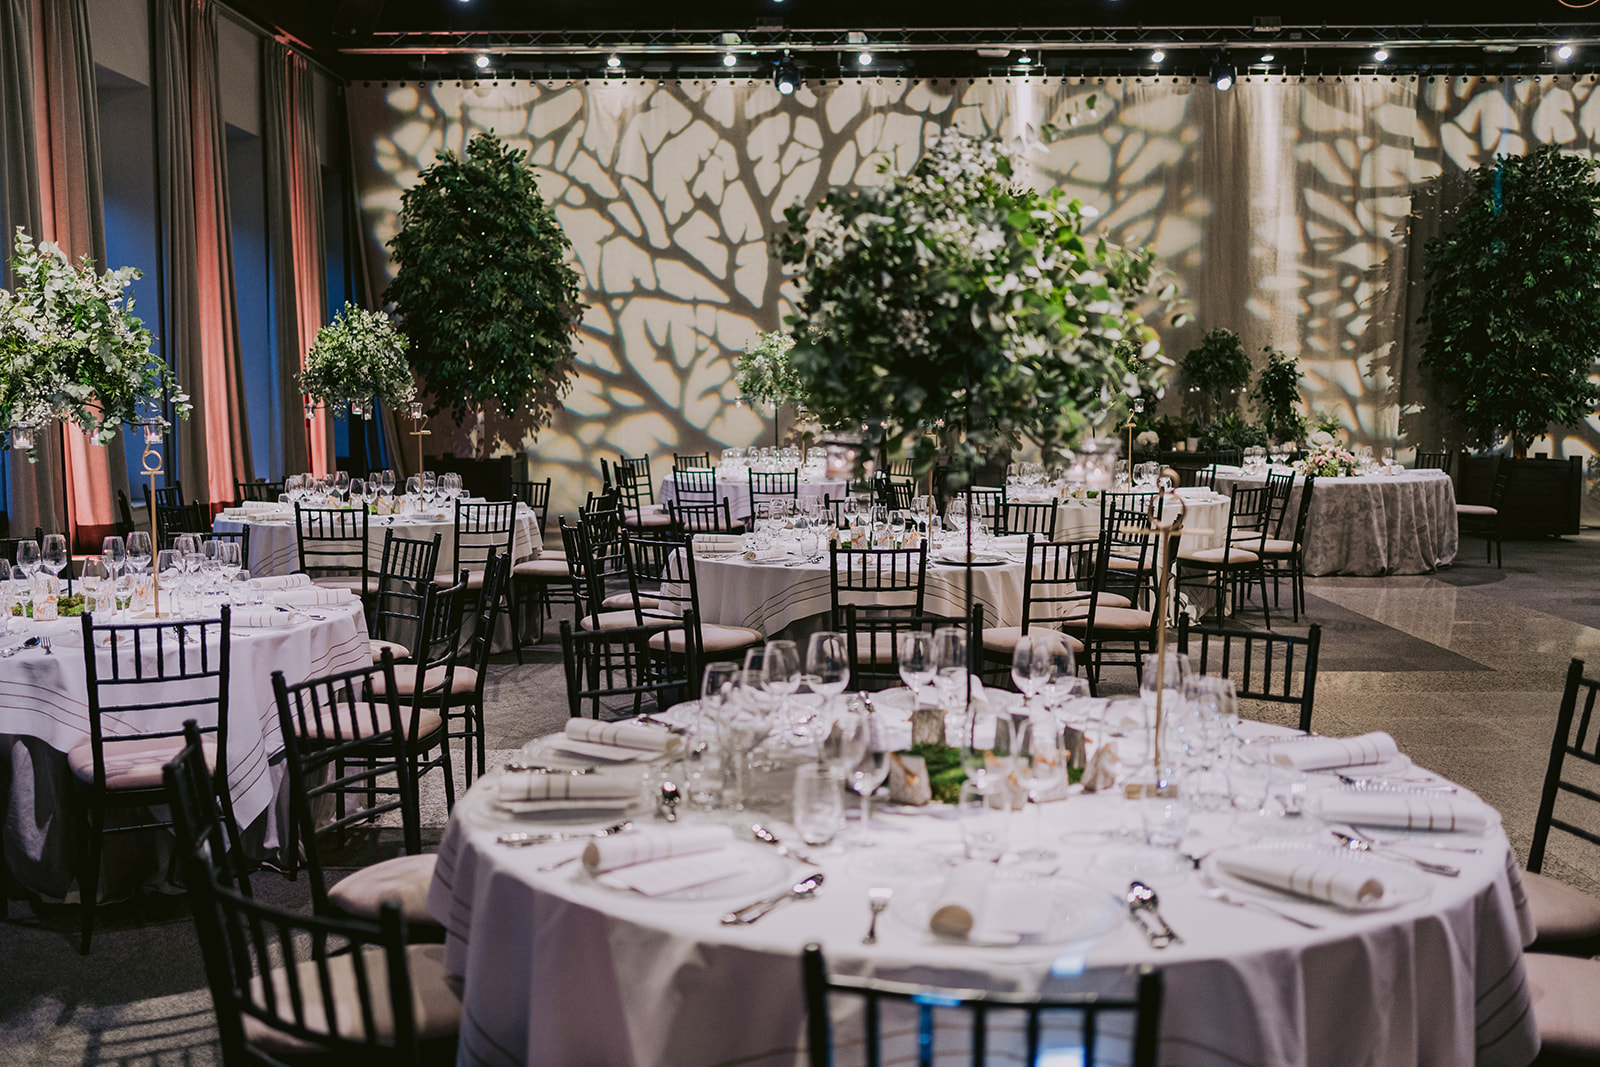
(1544, 497)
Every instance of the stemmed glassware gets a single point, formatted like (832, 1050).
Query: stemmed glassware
(869, 768)
(341, 487)
(358, 492)
(54, 558)
(93, 576)
(779, 672)
(139, 551)
(827, 665)
(22, 592)
(1030, 666)
(28, 557)
(748, 715)
(916, 662)
(950, 661)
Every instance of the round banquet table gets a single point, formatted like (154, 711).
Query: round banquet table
(274, 547)
(44, 713)
(1372, 524)
(558, 968)
(736, 489)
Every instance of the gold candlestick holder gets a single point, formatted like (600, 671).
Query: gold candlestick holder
(151, 463)
(417, 431)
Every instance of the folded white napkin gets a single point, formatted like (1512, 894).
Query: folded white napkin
(622, 734)
(558, 790)
(725, 540)
(282, 581)
(647, 846)
(1010, 543)
(974, 905)
(1404, 811)
(260, 618)
(1326, 753)
(315, 595)
(258, 506)
(764, 555)
(1348, 885)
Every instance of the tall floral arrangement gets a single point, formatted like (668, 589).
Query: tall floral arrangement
(358, 355)
(72, 348)
(765, 373)
(948, 297)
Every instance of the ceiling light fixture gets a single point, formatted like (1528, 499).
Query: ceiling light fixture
(613, 61)
(1563, 51)
(1381, 55)
(1024, 59)
(729, 59)
(1267, 57)
(864, 59)
(482, 61)
(785, 77)
(1157, 56)
(1222, 75)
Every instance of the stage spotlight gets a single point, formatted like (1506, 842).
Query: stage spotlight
(729, 59)
(1222, 75)
(1564, 51)
(1381, 55)
(614, 61)
(864, 59)
(1024, 59)
(786, 77)
(1267, 57)
(482, 61)
(1157, 56)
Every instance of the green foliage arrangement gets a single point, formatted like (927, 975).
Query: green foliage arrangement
(483, 289)
(1513, 300)
(1213, 374)
(1277, 396)
(1232, 430)
(356, 356)
(72, 348)
(946, 298)
(765, 374)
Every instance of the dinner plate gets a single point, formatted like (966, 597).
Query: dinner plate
(1078, 911)
(761, 871)
(1401, 885)
(977, 560)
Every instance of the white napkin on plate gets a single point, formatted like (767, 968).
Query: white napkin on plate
(538, 789)
(648, 846)
(1404, 811)
(974, 905)
(765, 555)
(718, 542)
(1327, 753)
(260, 618)
(622, 735)
(315, 595)
(1010, 543)
(282, 581)
(1348, 885)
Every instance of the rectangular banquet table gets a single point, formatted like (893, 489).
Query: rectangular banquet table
(558, 968)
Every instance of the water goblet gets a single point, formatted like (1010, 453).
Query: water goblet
(915, 660)
(54, 557)
(92, 578)
(358, 492)
(139, 551)
(115, 554)
(1030, 666)
(341, 486)
(27, 557)
(827, 665)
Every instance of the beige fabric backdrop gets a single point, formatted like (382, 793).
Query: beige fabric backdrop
(1283, 208)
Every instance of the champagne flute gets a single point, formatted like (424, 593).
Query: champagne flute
(916, 663)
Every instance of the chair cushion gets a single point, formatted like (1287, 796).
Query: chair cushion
(1560, 911)
(621, 620)
(347, 722)
(1229, 554)
(1477, 511)
(1565, 990)
(1275, 547)
(1003, 639)
(1122, 563)
(650, 517)
(543, 567)
(714, 638)
(435, 1005)
(135, 764)
(624, 602)
(465, 680)
(1114, 619)
(404, 880)
(399, 651)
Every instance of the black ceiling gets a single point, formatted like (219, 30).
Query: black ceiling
(929, 38)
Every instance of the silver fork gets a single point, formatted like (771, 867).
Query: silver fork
(44, 642)
(878, 898)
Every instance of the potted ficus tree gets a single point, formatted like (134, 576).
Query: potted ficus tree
(483, 289)
(1513, 322)
(1277, 397)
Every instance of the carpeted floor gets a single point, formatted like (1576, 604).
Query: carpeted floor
(1464, 667)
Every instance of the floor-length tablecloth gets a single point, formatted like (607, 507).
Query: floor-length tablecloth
(558, 969)
(1372, 525)
(44, 713)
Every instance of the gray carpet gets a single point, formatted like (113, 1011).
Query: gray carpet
(1463, 667)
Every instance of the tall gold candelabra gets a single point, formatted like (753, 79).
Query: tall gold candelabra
(417, 430)
(152, 464)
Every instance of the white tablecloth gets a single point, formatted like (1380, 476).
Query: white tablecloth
(559, 969)
(737, 491)
(1371, 525)
(274, 548)
(44, 713)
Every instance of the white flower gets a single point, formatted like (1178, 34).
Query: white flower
(1320, 439)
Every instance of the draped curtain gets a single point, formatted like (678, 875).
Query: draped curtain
(50, 139)
(294, 213)
(191, 159)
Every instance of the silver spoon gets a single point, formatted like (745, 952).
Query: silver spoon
(1355, 844)
(1144, 906)
(767, 837)
(804, 889)
(669, 801)
(32, 642)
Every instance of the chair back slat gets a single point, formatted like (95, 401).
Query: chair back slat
(1253, 660)
(265, 491)
(618, 672)
(692, 518)
(333, 543)
(691, 460)
(873, 642)
(1571, 741)
(482, 529)
(888, 581)
(694, 485)
(1025, 518)
(537, 496)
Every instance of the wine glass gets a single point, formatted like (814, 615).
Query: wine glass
(827, 664)
(92, 577)
(21, 592)
(1172, 669)
(54, 558)
(28, 557)
(780, 671)
(1041, 767)
(867, 773)
(139, 551)
(988, 749)
(358, 492)
(1030, 666)
(916, 662)
(341, 486)
(748, 714)
(950, 660)
(170, 570)
(1063, 684)
(229, 559)
(115, 554)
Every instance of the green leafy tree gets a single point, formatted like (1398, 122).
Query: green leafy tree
(1513, 299)
(1213, 374)
(1277, 396)
(483, 289)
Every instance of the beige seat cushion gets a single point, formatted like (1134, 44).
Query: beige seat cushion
(624, 602)
(1565, 991)
(543, 567)
(396, 649)
(553, 553)
(714, 638)
(135, 764)
(1230, 554)
(1114, 619)
(1275, 547)
(465, 680)
(1477, 511)
(1122, 563)
(1003, 639)
(346, 722)
(403, 880)
(651, 516)
(621, 620)
(435, 1005)
(1112, 600)
(1560, 912)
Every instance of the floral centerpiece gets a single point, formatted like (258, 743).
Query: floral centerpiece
(949, 297)
(764, 373)
(71, 347)
(1326, 459)
(356, 356)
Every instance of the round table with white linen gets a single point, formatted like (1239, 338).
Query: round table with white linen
(560, 966)
(735, 487)
(44, 713)
(275, 549)
(1371, 524)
